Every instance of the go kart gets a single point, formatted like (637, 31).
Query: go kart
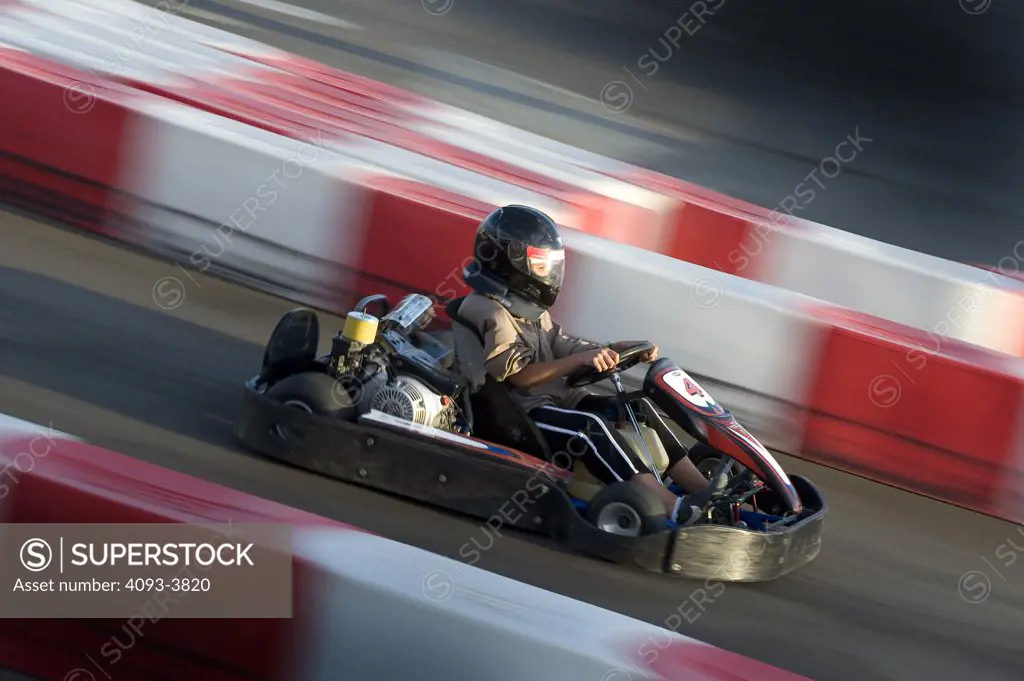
(399, 409)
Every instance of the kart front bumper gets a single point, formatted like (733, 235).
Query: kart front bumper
(710, 552)
(734, 554)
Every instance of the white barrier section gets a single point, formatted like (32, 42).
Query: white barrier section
(123, 39)
(384, 607)
(728, 329)
(228, 194)
(488, 136)
(638, 213)
(11, 427)
(922, 291)
(383, 158)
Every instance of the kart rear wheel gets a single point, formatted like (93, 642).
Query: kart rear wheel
(628, 509)
(314, 393)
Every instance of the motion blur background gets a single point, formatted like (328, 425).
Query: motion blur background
(748, 104)
(742, 96)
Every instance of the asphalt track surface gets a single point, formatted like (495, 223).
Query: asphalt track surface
(84, 346)
(749, 102)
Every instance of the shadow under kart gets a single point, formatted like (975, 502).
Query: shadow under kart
(763, 525)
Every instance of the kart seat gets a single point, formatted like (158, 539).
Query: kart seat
(291, 348)
(496, 416)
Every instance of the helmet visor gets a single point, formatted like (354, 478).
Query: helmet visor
(546, 264)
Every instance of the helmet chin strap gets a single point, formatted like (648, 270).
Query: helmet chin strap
(488, 286)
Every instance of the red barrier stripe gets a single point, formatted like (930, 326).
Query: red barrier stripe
(66, 481)
(685, 661)
(434, 224)
(65, 119)
(890, 403)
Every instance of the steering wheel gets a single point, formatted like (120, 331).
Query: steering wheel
(628, 358)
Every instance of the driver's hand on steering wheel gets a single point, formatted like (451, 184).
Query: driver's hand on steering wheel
(650, 356)
(601, 359)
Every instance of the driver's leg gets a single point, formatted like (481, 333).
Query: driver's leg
(697, 489)
(680, 468)
(686, 475)
(585, 435)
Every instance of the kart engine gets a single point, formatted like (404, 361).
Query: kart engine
(411, 400)
(377, 363)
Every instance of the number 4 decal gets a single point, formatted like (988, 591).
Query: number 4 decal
(687, 389)
(692, 388)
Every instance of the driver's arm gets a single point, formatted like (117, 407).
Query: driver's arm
(542, 372)
(505, 352)
(565, 345)
(571, 353)
(508, 357)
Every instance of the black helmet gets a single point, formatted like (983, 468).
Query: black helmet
(518, 258)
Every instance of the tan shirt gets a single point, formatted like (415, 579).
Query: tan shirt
(511, 344)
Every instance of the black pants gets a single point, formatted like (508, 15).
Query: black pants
(582, 433)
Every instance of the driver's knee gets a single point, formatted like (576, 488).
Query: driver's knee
(647, 408)
(601, 405)
(673, 444)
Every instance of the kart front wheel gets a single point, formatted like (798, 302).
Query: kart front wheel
(710, 467)
(701, 451)
(628, 509)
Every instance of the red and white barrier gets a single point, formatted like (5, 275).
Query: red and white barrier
(51, 160)
(364, 606)
(396, 132)
(932, 415)
(324, 186)
(465, 624)
(51, 477)
(937, 296)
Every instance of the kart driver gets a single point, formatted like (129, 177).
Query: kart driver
(516, 276)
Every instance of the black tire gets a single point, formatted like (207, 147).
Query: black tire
(700, 451)
(628, 508)
(316, 393)
(706, 458)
